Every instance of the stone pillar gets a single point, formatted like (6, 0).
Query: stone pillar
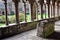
(45, 9)
(32, 11)
(37, 10)
(41, 3)
(58, 9)
(24, 9)
(6, 14)
(56, 18)
(53, 4)
(48, 4)
(16, 10)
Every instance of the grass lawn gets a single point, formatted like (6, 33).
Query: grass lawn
(27, 17)
(39, 17)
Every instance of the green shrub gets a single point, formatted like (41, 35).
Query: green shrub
(13, 18)
(27, 13)
(21, 17)
(11, 13)
(2, 19)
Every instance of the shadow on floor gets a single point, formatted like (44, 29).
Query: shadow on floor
(55, 36)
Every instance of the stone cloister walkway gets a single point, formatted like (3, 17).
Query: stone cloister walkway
(31, 35)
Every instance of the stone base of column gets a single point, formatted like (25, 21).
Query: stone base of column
(45, 28)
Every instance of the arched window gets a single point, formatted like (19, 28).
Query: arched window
(28, 12)
(21, 11)
(11, 12)
(24, 11)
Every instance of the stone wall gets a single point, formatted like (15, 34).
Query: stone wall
(44, 28)
(16, 29)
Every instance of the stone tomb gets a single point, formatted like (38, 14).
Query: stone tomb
(45, 28)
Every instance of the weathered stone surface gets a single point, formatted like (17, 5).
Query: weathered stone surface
(12, 30)
(48, 29)
(45, 29)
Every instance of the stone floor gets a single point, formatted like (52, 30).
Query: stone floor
(31, 35)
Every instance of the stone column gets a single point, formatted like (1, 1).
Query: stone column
(53, 4)
(45, 9)
(32, 11)
(57, 7)
(16, 10)
(58, 2)
(41, 3)
(6, 14)
(51, 10)
(48, 4)
(37, 10)
(24, 9)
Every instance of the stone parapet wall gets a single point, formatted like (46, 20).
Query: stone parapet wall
(16, 29)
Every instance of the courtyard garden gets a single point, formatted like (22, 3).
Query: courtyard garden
(12, 18)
